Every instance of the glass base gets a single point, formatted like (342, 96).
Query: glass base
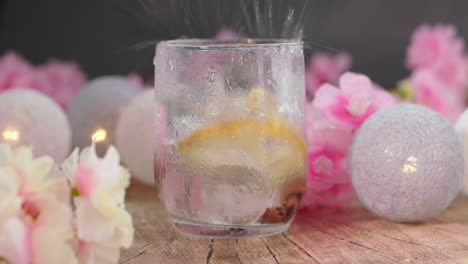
(222, 231)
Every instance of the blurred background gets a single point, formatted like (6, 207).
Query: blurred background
(118, 36)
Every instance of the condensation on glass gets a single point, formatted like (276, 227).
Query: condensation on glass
(231, 157)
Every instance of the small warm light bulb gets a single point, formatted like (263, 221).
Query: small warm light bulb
(11, 135)
(410, 167)
(99, 135)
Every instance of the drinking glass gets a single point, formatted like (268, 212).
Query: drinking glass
(233, 158)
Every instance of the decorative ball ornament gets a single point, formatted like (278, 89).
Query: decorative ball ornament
(134, 136)
(94, 112)
(462, 130)
(406, 163)
(29, 118)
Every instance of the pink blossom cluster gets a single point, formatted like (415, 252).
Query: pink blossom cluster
(325, 68)
(139, 80)
(333, 117)
(438, 62)
(60, 80)
(72, 215)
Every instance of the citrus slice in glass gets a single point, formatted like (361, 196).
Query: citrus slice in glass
(271, 146)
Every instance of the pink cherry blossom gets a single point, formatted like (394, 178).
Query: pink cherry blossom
(103, 225)
(13, 241)
(323, 131)
(59, 80)
(325, 68)
(227, 34)
(453, 72)
(431, 45)
(38, 216)
(16, 72)
(37, 224)
(139, 80)
(337, 195)
(63, 79)
(328, 144)
(431, 92)
(331, 120)
(438, 49)
(136, 78)
(353, 102)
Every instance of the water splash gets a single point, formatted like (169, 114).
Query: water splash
(172, 19)
(203, 18)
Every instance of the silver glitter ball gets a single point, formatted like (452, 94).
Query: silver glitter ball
(134, 136)
(29, 118)
(94, 111)
(462, 130)
(406, 163)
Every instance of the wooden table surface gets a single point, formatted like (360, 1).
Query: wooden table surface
(324, 236)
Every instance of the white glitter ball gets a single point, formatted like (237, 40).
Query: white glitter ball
(32, 119)
(406, 163)
(134, 136)
(93, 113)
(462, 130)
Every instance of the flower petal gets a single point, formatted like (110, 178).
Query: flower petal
(13, 241)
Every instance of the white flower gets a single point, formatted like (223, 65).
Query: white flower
(52, 232)
(44, 240)
(13, 241)
(35, 213)
(10, 202)
(102, 222)
(31, 175)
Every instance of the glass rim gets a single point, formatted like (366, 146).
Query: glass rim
(214, 44)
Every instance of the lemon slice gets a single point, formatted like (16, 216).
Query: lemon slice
(260, 102)
(271, 146)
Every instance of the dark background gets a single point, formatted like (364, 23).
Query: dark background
(118, 36)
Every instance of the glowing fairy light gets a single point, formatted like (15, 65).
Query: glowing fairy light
(11, 135)
(99, 135)
(410, 167)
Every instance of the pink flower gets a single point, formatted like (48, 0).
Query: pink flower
(453, 72)
(328, 144)
(138, 80)
(135, 78)
(63, 79)
(441, 51)
(17, 73)
(29, 239)
(59, 80)
(321, 130)
(227, 34)
(431, 45)
(13, 241)
(433, 93)
(353, 102)
(35, 215)
(325, 68)
(337, 195)
(103, 225)
(331, 121)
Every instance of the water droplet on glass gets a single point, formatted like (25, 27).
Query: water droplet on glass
(212, 77)
(171, 65)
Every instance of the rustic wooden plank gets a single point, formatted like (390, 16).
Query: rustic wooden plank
(323, 236)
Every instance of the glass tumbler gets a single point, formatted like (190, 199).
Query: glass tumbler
(232, 158)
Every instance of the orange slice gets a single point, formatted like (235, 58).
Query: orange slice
(271, 146)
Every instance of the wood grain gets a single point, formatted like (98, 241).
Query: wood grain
(323, 236)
